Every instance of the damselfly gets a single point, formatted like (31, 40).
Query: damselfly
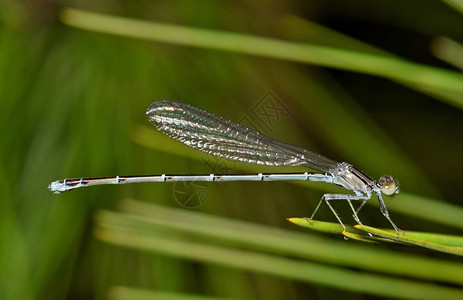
(223, 138)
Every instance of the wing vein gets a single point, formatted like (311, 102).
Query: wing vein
(217, 136)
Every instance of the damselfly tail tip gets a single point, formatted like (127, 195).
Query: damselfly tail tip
(57, 187)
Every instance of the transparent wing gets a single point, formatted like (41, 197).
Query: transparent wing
(221, 137)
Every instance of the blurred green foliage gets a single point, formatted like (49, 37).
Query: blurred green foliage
(73, 100)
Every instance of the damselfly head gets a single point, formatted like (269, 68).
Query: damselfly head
(389, 186)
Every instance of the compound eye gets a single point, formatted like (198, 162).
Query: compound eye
(388, 186)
